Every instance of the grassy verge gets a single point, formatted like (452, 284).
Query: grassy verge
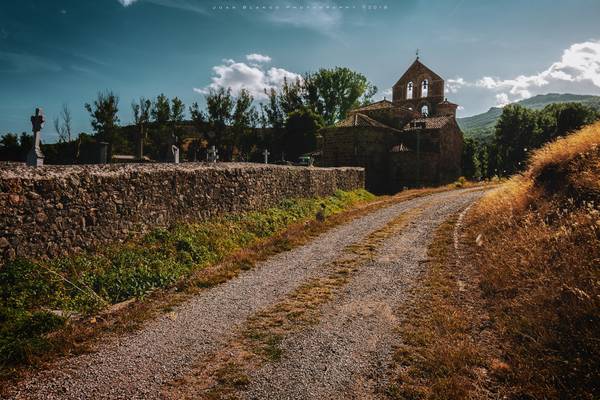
(38, 298)
(538, 251)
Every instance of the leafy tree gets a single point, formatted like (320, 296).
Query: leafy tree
(198, 116)
(219, 104)
(244, 120)
(291, 96)
(520, 130)
(141, 111)
(514, 132)
(334, 92)
(470, 163)
(272, 117)
(10, 148)
(177, 110)
(482, 155)
(177, 117)
(105, 121)
(560, 119)
(161, 110)
(301, 132)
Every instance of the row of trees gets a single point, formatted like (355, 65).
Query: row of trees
(519, 131)
(286, 123)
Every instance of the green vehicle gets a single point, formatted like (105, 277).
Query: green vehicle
(306, 161)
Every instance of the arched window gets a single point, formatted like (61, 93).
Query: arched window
(409, 90)
(424, 88)
(425, 110)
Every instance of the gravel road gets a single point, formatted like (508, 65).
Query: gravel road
(346, 355)
(339, 358)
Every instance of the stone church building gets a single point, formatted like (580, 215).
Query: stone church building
(411, 141)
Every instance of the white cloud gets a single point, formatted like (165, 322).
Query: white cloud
(127, 3)
(578, 71)
(259, 58)
(453, 85)
(254, 78)
(502, 99)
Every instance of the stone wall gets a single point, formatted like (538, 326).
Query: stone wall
(56, 210)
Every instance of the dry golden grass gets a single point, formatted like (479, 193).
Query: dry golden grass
(443, 352)
(537, 246)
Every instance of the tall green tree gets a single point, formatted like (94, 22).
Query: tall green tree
(161, 110)
(470, 162)
(291, 96)
(244, 120)
(513, 137)
(105, 121)
(141, 111)
(334, 92)
(177, 110)
(219, 107)
(199, 120)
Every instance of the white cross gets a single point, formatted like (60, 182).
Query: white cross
(266, 154)
(212, 155)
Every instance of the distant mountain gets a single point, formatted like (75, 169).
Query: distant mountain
(481, 126)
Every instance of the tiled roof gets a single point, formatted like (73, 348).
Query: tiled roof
(358, 119)
(428, 123)
(383, 104)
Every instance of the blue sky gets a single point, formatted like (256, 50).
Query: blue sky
(490, 52)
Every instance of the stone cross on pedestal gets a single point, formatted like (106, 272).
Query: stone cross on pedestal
(212, 155)
(35, 157)
(266, 155)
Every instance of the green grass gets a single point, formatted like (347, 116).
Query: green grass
(32, 292)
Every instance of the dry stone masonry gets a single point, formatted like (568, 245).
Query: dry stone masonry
(54, 210)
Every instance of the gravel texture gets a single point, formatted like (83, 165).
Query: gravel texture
(137, 365)
(346, 355)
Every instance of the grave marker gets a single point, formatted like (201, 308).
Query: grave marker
(35, 157)
(212, 155)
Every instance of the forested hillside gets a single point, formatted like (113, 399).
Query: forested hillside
(481, 126)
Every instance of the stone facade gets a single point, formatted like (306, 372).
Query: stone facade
(413, 140)
(54, 210)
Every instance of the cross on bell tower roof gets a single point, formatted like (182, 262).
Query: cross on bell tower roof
(417, 54)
